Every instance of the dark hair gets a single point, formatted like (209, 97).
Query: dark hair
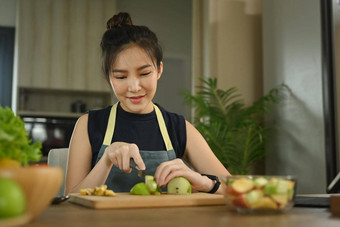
(120, 34)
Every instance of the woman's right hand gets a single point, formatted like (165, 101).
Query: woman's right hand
(120, 153)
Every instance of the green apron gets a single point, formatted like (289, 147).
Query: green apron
(118, 180)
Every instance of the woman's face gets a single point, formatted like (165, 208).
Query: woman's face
(134, 80)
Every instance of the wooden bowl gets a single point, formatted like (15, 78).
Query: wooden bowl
(40, 185)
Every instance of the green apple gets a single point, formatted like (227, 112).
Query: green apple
(179, 185)
(12, 198)
(282, 187)
(149, 187)
(140, 189)
(152, 185)
(253, 196)
(270, 189)
(277, 187)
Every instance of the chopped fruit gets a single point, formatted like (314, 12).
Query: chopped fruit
(240, 201)
(291, 184)
(140, 189)
(158, 191)
(151, 183)
(86, 191)
(179, 185)
(270, 189)
(253, 196)
(260, 182)
(282, 187)
(229, 191)
(242, 185)
(280, 199)
(109, 193)
(99, 191)
(265, 203)
(290, 194)
(273, 180)
(149, 187)
(259, 193)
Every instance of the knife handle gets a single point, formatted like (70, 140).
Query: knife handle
(133, 165)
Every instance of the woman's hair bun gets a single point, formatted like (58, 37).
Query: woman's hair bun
(118, 20)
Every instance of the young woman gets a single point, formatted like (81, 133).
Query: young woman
(104, 141)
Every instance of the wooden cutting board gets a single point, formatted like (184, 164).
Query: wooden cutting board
(125, 200)
(335, 204)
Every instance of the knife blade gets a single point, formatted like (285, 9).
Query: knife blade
(140, 173)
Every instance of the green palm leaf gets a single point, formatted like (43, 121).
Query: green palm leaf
(233, 131)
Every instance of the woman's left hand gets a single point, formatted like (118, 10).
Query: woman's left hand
(177, 168)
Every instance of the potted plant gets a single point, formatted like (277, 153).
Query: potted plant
(235, 132)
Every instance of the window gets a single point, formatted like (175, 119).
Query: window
(6, 64)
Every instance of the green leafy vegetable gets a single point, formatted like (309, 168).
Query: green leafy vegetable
(14, 142)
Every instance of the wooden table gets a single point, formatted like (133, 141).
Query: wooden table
(68, 214)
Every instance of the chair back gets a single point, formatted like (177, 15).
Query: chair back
(59, 157)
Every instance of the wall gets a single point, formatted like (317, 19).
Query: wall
(235, 47)
(292, 55)
(8, 12)
(336, 38)
(172, 22)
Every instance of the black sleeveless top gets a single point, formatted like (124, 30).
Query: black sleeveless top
(141, 129)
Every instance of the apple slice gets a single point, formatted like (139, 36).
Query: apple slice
(270, 189)
(242, 186)
(281, 199)
(140, 189)
(151, 183)
(179, 185)
(240, 201)
(260, 182)
(291, 184)
(265, 203)
(282, 187)
(253, 196)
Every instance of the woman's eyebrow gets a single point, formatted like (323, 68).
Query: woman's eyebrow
(119, 71)
(144, 66)
(124, 71)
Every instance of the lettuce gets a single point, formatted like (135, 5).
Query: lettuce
(14, 142)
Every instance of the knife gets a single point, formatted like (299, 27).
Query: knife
(140, 173)
(60, 199)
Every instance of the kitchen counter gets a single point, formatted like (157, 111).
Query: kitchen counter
(68, 214)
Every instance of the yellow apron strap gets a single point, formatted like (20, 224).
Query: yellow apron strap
(163, 129)
(110, 125)
(112, 121)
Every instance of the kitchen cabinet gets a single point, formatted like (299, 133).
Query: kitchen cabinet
(35, 102)
(59, 43)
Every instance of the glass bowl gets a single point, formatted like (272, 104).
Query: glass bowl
(259, 193)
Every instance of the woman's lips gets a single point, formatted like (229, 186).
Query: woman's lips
(136, 99)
